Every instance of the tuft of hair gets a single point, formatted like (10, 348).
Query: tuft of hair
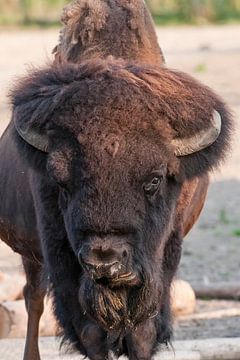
(176, 105)
(92, 27)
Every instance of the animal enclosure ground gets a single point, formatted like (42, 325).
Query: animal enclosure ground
(211, 252)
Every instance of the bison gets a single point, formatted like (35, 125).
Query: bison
(104, 169)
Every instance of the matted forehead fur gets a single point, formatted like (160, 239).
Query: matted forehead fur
(102, 98)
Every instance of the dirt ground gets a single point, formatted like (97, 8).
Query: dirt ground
(212, 54)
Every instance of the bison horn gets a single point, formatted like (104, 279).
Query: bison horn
(201, 140)
(33, 137)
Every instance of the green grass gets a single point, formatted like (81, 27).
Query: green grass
(165, 12)
(39, 23)
(194, 11)
(200, 68)
(223, 217)
(236, 232)
(175, 19)
(169, 19)
(226, 224)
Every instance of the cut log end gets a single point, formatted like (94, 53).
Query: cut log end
(183, 299)
(13, 320)
(5, 322)
(11, 287)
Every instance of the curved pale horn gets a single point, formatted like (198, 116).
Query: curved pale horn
(201, 140)
(33, 137)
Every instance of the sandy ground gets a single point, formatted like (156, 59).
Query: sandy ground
(212, 54)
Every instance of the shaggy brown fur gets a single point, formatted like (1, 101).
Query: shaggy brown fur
(84, 109)
(175, 104)
(109, 124)
(121, 28)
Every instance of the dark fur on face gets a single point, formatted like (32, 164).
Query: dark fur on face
(110, 124)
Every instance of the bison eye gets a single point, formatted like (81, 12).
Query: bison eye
(151, 187)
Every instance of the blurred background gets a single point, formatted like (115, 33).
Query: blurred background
(46, 12)
(202, 38)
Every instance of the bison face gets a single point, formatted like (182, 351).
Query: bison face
(117, 198)
(119, 141)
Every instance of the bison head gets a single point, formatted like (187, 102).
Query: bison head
(118, 141)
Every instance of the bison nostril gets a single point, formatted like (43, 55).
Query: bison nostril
(83, 262)
(124, 254)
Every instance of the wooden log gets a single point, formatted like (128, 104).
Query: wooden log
(13, 320)
(218, 314)
(5, 324)
(183, 300)
(11, 287)
(220, 291)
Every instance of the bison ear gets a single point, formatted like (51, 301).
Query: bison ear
(34, 102)
(207, 148)
(30, 132)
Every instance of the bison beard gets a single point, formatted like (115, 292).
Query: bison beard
(121, 309)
